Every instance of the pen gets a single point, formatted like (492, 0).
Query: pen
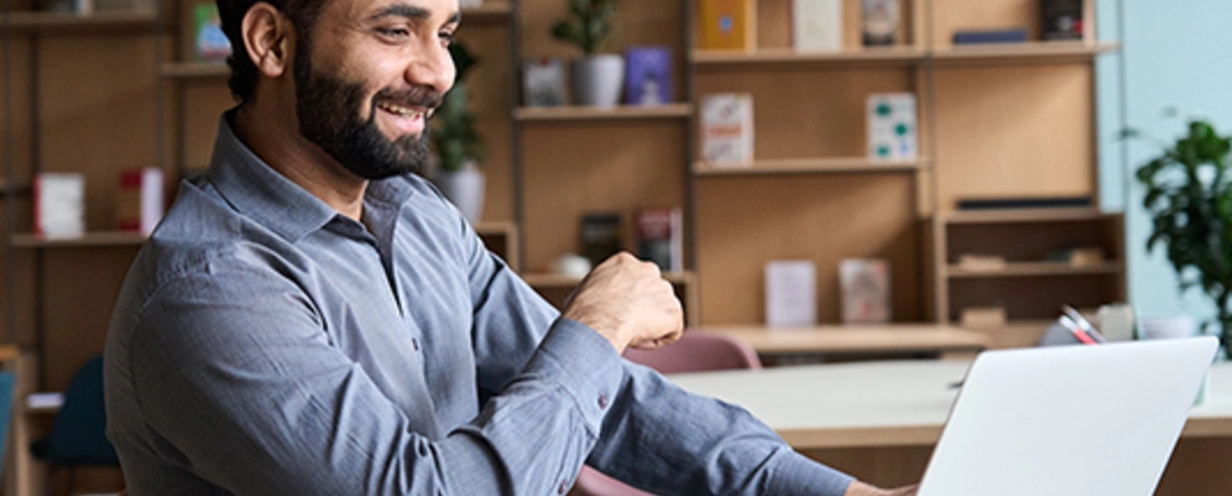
(1077, 331)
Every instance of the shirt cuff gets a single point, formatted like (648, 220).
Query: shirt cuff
(794, 473)
(584, 364)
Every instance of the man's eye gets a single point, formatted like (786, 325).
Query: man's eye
(393, 32)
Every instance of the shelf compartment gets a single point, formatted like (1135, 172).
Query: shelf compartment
(489, 10)
(573, 113)
(191, 70)
(1044, 51)
(1037, 269)
(91, 239)
(1025, 215)
(904, 56)
(845, 165)
(69, 22)
(501, 238)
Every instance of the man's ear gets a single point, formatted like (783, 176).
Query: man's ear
(268, 36)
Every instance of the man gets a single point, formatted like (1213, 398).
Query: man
(312, 319)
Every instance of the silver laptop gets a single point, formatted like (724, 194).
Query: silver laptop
(1073, 420)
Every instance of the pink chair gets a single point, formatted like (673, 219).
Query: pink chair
(697, 351)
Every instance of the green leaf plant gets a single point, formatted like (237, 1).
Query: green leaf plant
(590, 27)
(453, 134)
(1189, 200)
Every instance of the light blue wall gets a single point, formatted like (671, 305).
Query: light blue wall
(1176, 53)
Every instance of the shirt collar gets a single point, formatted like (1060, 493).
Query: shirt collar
(255, 189)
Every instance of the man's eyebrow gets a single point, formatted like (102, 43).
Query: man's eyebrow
(410, 12)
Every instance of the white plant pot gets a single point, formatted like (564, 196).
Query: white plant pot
(465, 188)
(597, 81)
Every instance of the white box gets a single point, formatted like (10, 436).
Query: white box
(727, 129)
(139, 202)
(791, 293)
(60, 205)
(892, 127)
(818, 25)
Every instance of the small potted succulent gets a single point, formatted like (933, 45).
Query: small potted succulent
(596, 78)
(458, 147)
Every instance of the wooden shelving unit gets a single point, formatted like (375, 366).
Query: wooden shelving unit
(855, 165)
(1043, 51)
(902, 55)
(624, 112)
(37, 22)
(90, 240)
(1036, 269)
(191, 70)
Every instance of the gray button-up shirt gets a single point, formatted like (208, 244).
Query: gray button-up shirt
(265, 344)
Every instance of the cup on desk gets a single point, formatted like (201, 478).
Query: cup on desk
(1180, 326)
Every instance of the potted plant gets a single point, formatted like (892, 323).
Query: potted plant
(1189, 200)
(596, 78)
(458, 146)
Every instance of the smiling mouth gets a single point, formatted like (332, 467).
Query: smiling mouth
(406, 112)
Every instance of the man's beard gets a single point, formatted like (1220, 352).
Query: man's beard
(328, 112)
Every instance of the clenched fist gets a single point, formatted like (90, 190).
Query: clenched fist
(629, 303)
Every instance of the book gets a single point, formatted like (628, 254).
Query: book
(727, 24)
(1062, 19)
(648, 75)
(892, 127)
(660, 237)
(978, 37)
(817, 25)
(1025, 202)
(543, 83)
(791, 293)
(865, 285)
(600, 233)
(880, 21)
(727, 129)
(211, 43)
(139, 202)
(60, 205)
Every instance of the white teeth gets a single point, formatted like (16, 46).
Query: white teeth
(400, 110)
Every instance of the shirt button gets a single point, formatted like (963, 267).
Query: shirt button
(415, 343)
(603, 402)
(563, 488)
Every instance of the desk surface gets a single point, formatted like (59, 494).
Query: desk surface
(903, 403)
(858, 339)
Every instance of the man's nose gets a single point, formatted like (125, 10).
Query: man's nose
(434, 69)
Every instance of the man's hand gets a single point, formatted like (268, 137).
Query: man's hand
(861, 489)
(629, 303)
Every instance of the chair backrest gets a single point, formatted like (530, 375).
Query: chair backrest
(698, 351)
(78, 434)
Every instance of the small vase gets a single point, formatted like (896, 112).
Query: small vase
(465, 189)
(597, 80)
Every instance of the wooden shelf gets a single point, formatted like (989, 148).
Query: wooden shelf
(1035, 269)
(68, 22)
(190, 70)
(92, 239)
(1049, 51)
(490, 10)
(1024, 215)
(904, 55)
(873, 338)
(559, 281)
(496, 228)
(572, 113)
(853, 165)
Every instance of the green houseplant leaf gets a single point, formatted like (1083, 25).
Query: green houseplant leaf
(1189, 200)
(590, 25)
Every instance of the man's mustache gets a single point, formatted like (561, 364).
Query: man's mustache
(418, 96)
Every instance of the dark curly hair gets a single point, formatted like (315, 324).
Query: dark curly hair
(303, 15)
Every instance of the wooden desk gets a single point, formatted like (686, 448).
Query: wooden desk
(847, 340)
(880, 420)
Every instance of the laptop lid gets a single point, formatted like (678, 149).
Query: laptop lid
(1073, 420)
